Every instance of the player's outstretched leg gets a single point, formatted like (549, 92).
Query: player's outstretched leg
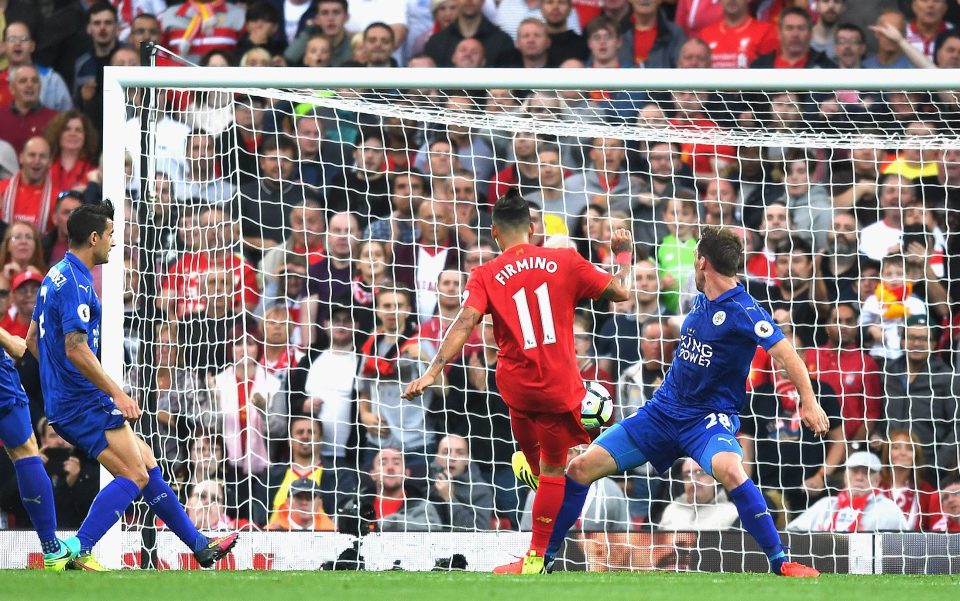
(36, 493)
(754, 515)
(165, 504)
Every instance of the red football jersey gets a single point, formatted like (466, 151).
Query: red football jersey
(737, 47)
(532, 292)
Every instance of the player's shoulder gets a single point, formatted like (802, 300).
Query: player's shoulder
(745, 307)
(58, 275)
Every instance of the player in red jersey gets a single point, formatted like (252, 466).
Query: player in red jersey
(532, 292)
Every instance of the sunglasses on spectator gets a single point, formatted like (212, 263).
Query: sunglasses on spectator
(17, 38)
(70, 194)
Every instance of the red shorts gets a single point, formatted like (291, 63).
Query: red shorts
(547, 436)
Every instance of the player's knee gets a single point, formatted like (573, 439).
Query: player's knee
(27, 449)
(138, 475)
(728, 470)
(579, 470)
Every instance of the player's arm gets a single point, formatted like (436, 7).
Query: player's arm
(79, 353)
(810, 410)
(31, 340)
(618, 290)
(14, 345)
(453, 342)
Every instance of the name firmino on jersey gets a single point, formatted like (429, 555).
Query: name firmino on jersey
(511, 269)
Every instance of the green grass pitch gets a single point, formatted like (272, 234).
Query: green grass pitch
(32, 585)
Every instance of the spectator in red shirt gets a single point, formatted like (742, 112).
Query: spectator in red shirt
(198, 27)
(796, 31)
(211, 248)
(24, 117)
(950, 504)
(73, 144)
(927, 24)
(703, 159)
(902, 481)
(653, 41)
(738, 39)
(29, 195)
(24, 293)
(851, 373)
(694, 16)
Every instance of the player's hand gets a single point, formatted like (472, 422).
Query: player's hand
(127, 406)
(815, 418)
(418, 386)
(621, 241)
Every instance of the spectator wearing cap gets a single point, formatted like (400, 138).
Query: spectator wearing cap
(949, 505)
(796, 30)
(702, 506)
(55, 243)
(859, 507)
(29, 195)
(24, 294)
(198, 27)
(922, 396)
(471, 23)
(395, 510)
(19, 46)
(24, 117)
(653, 41)
(304, 510)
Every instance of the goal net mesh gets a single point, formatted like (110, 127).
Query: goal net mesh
(294, 257)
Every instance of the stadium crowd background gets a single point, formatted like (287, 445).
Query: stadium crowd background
(297, 265)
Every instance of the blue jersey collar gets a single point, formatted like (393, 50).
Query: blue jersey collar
(78, 264)
(729, 293)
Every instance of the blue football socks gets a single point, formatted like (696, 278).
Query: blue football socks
(165, 504)
(756, 520)
(574, 496)
(107, 508)
(36, 493)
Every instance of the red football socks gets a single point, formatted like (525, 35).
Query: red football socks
(546, 506)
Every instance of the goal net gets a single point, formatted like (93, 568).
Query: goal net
(294, 253)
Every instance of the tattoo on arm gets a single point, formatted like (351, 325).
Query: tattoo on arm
(74, 339)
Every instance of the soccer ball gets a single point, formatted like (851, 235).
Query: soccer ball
(597, 406)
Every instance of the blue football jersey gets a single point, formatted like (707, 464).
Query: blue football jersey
(717, 344)
(11, 390)
(67, 303)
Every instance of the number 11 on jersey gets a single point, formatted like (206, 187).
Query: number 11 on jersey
(526, 322)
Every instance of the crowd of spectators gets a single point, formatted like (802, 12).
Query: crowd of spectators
(291, 266)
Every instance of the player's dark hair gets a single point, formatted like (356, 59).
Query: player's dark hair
(86, 219)
(512, 212)
(722, 248)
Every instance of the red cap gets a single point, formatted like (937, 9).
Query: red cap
(26, 276)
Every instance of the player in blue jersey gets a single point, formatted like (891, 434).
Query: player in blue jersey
(19, 440)
(87, 408)
(694, 412)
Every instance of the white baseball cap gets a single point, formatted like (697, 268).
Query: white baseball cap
(864, 459)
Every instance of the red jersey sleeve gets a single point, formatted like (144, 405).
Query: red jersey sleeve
(475, 294)
(591, 280)
(770, 42)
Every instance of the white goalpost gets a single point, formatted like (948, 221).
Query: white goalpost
(266, 218)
